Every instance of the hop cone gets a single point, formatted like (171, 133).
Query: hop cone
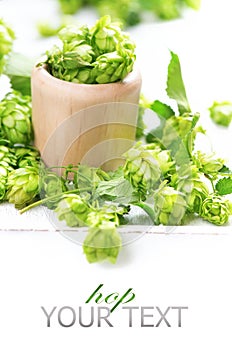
(216, 209)
(113, 66)
(221, 113)
(27, 156)
(103, 241)
(75, 33)
(105, 35)
(101, 55)
(23, 186)
(178, 127)
(51, 185)
(6, 42)
(208, 164)
(142, 169)
(7, 164)
(169, 206)
(73, 209)
(73, 66)
(163, 157)
(188, 181)
(70, 7)
(126, 11)
(15, 118)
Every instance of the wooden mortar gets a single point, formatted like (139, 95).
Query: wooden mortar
(83, 123)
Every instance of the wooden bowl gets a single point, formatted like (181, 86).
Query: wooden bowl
(82, 123)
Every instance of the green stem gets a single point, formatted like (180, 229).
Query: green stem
(47, 199)
(211, 180)
(148, 210)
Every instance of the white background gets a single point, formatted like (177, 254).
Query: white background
(41, 268)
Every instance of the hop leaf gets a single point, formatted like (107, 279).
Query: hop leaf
(224, 186)
(175, 85)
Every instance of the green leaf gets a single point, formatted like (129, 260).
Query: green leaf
(225, 170)
(224, 186)
(162, 109)
(18, 69)
(175, 85)
(22, 84)
(119, 189)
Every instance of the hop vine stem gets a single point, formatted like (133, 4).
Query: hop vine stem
(47, 199)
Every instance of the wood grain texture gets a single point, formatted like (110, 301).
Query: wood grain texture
(92, 124)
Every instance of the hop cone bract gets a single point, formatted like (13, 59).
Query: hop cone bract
(73, 209)
(216, 209)
(23, 186)
(15, 118)
(169, 206)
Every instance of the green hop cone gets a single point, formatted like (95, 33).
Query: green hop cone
(7, 164)
(73, 66)
(169, 205)
(102, 243)
(23, 186)
(113, 66)
(15, 118)
(221, 113)
(2, 187)
(142, 168)
(188, 181)
(7, 37)
(163, 157)
(73, 209)
(27, 156)
(103, 54)
(7, 156)
(178, 127)
(126, 11)
(70, 7)
(105, 35)
(5, 169)
(51, 186)
(207, 163)
(216, 209)
(75, 34)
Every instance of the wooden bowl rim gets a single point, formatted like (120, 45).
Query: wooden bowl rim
(130, 78)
